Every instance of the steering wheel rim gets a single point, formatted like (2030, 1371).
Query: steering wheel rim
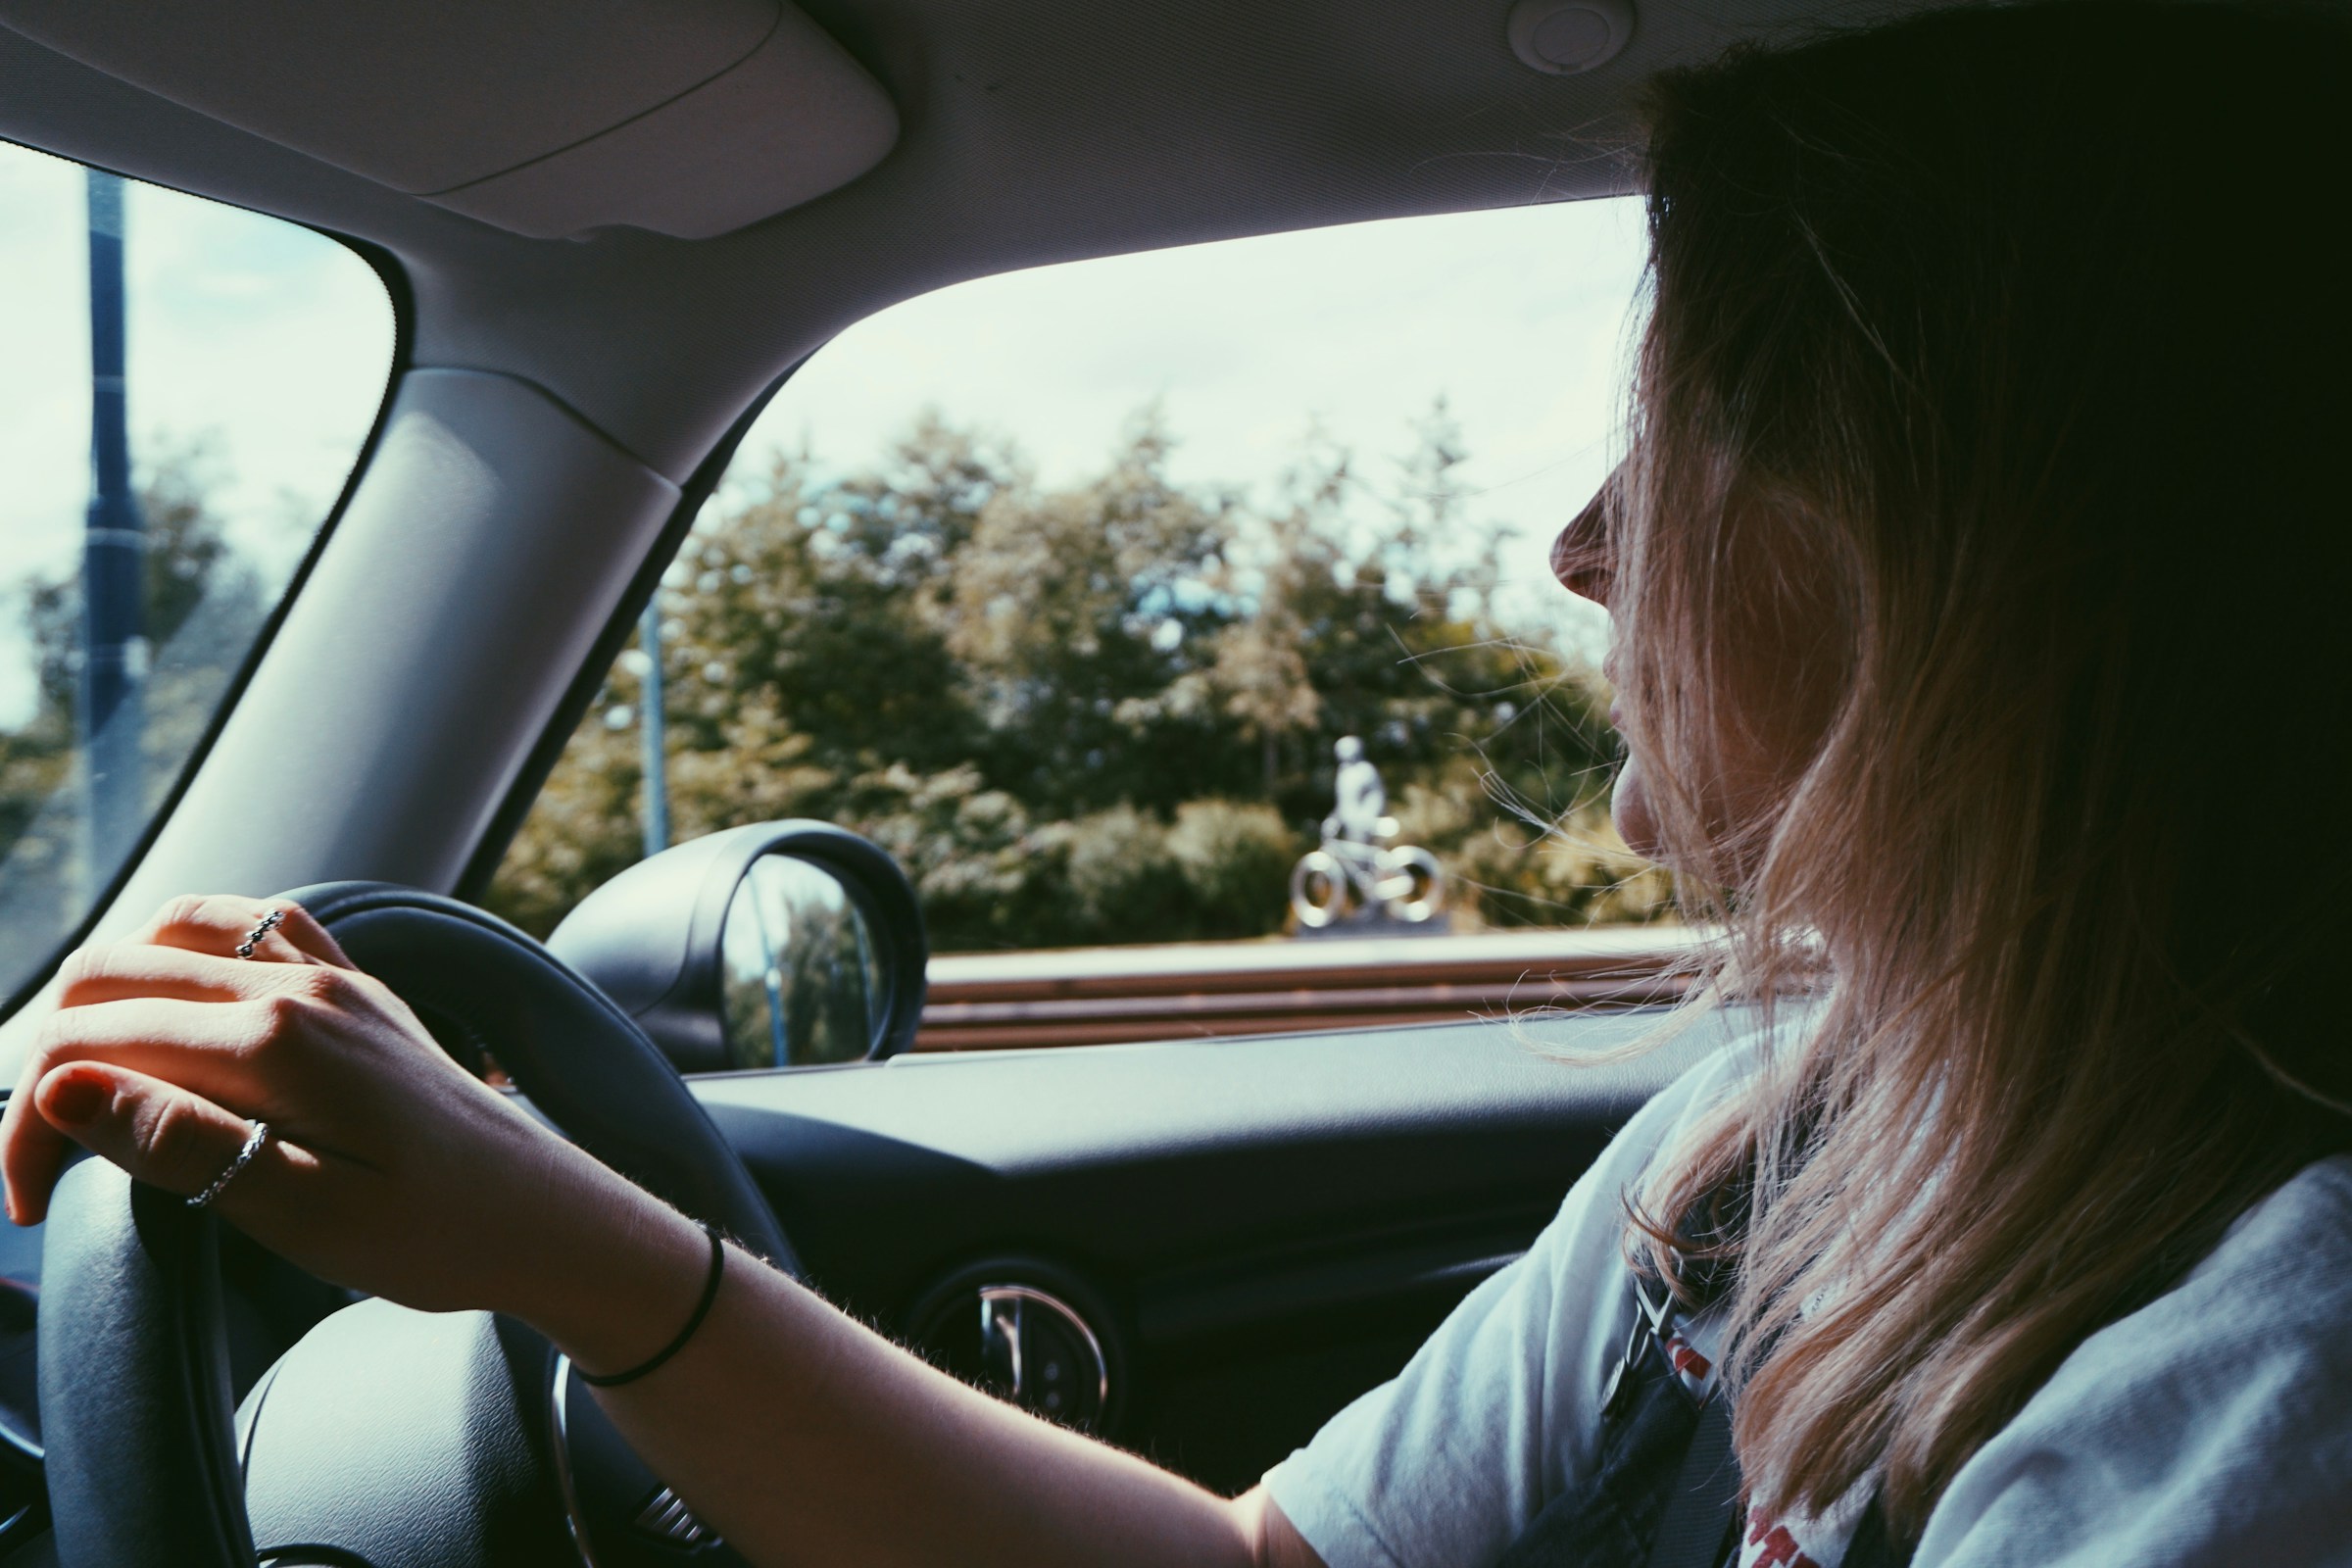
(143, 1463)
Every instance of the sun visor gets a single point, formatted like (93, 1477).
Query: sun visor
(546, 118)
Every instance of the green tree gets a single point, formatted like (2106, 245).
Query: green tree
(203, 605)
(1079, 616)
(1261, 669)
(1101, 711)
(796, 599)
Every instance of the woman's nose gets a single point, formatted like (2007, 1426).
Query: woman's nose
(1582, 558)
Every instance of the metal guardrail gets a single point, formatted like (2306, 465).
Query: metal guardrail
(1101, 996)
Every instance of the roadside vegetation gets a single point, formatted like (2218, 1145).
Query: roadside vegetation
(203, 605)
(1100, 712)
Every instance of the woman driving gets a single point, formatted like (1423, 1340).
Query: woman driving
(1977, 571)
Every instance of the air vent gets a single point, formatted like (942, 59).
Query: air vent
(1016, 1331)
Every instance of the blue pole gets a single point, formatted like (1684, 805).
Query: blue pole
(114, 561)
(771, 980)
(653, 729)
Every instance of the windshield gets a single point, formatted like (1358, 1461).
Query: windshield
(1192, 597)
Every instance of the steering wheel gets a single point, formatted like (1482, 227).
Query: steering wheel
(387, 1437)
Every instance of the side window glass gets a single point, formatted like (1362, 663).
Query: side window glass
(183, 389)
(1193, 596)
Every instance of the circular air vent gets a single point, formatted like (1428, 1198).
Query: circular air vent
(1016, 1331)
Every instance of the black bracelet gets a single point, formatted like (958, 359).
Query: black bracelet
(702, 1310)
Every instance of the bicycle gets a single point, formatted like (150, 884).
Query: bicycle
(1405, 882)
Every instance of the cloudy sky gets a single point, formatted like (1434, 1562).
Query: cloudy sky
(1520, 319)
(270, 344)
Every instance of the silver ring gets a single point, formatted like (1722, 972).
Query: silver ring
(236, 1167)
(270, 923)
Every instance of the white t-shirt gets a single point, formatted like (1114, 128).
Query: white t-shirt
(2213, 1426)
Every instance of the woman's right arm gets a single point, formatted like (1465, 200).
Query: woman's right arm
(804, 1436)
(795, 1432)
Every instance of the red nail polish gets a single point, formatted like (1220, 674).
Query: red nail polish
(78, 1098)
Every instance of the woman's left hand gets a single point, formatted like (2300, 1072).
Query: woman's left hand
(388, 1167)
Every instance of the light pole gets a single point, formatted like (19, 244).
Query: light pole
(113, 563)
(652, 728)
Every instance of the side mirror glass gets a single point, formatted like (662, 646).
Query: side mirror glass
(800, 974)
(777, 945)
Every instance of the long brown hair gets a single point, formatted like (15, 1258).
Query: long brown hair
(2012, 337)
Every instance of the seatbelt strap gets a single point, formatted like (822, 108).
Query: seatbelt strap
(1696, 1523)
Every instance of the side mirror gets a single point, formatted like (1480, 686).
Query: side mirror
(780, 944)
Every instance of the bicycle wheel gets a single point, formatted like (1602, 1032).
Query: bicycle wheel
(1318, 890)
(1422, 893)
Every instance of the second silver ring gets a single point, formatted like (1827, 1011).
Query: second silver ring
(269, 923)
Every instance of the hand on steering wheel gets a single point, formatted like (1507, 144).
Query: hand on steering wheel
(388, 1167)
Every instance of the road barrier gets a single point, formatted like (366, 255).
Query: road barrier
(1101, 996)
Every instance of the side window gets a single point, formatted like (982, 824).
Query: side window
(1191, 596)
(183, 389)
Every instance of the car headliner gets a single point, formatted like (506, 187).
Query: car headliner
(1034, 131)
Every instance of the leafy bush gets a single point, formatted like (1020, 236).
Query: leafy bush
(1231, 854)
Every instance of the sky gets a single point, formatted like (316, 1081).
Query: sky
(1521, 319)
(271, 344)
